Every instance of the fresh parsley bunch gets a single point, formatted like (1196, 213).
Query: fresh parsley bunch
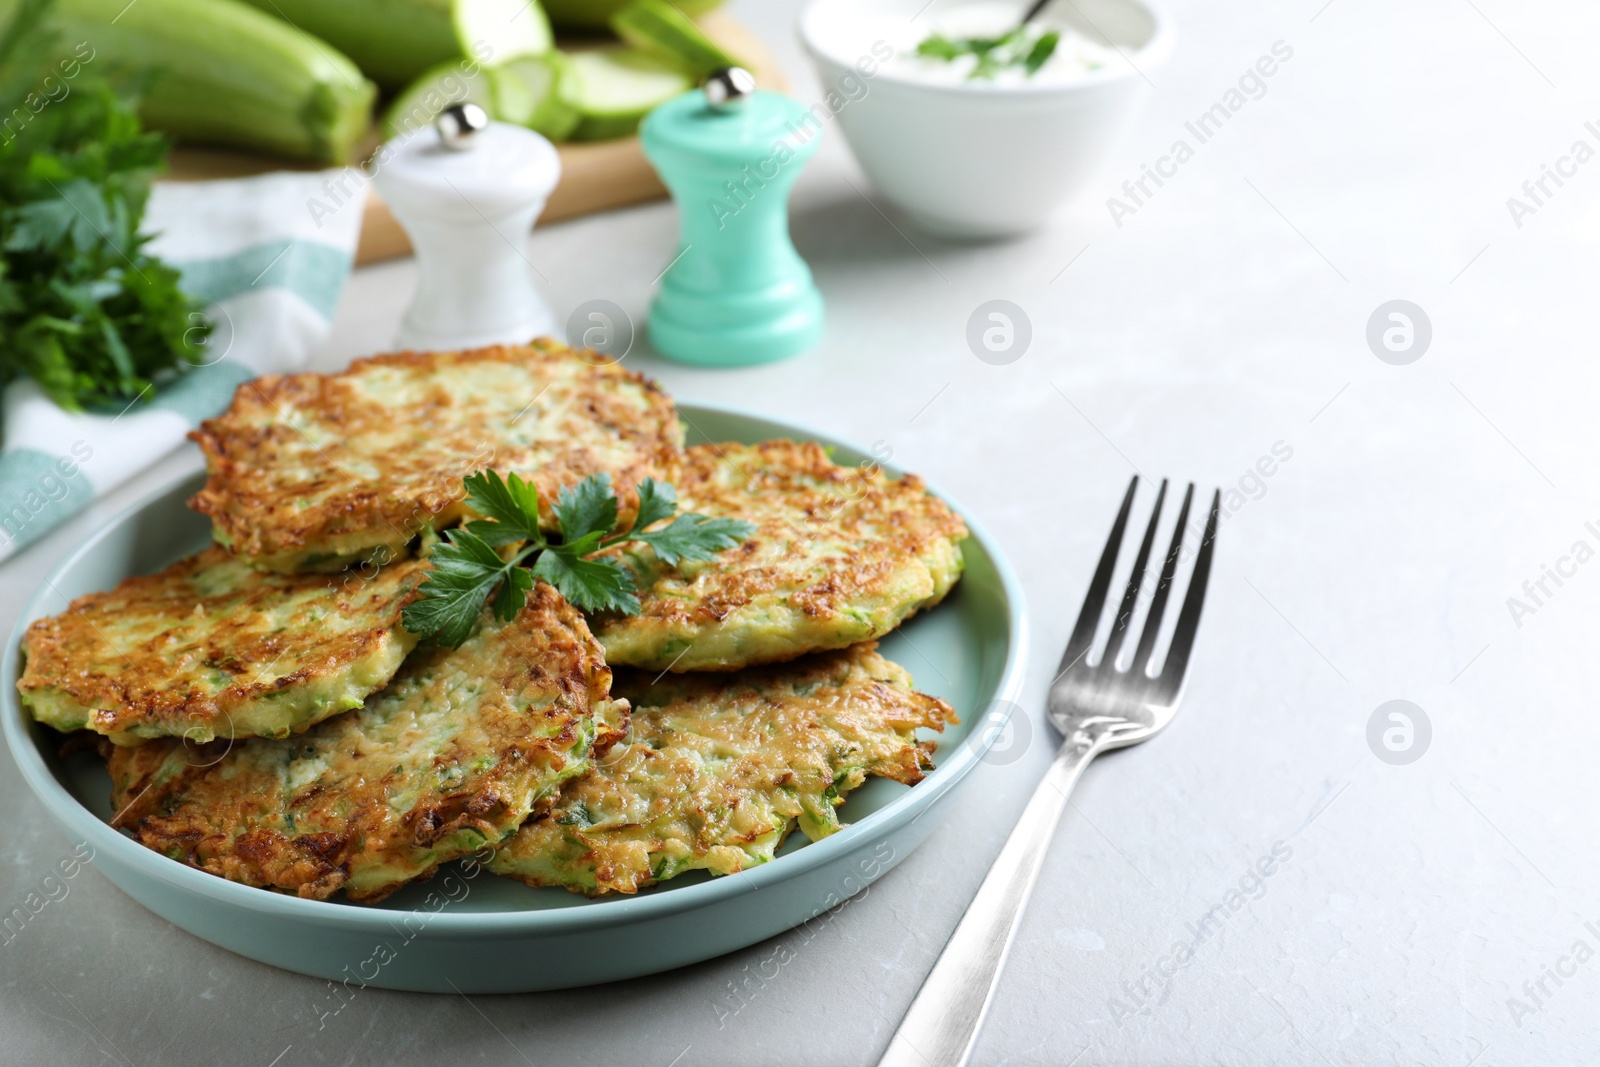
(84, 310)
(1014, 49)
(471, 565)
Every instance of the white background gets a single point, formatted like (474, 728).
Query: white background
(1227, 315)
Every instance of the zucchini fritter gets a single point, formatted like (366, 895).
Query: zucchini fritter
(314, 471)
(840, 555)
(717, 769)
(211, 647)
(460, 748)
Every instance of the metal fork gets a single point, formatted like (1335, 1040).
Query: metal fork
(1096, 708)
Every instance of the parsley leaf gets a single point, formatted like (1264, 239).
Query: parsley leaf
(938, 46)
(690, 536)
(513, 504)
(1041, 52)
(657, 501)
(449, 600)
(589, 507)
(592, 584)
(513, 593)
(695, 537)
(468, 567)
(993, 54)
(85, 311)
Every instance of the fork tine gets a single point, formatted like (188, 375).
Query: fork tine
(1130, 596)
(1095, 601)
(1158, 605)
(1189, 618)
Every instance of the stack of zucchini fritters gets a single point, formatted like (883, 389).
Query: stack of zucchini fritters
(267, 718)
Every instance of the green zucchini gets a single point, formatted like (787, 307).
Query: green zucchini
(613, 88)
(226, 74)
(657, 27)
(596, 14)
(397, 41)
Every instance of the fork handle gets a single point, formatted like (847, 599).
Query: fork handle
(942, 1023)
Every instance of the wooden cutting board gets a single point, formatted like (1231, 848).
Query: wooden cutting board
(594, 177)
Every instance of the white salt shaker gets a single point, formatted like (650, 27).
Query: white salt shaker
(467, 200)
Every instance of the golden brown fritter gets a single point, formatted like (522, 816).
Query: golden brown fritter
(212, 647)
(840, 555)
(717, 769)
(313, 471)
(460, 748)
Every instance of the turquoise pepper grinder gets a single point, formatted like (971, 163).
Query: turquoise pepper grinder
(738, 293)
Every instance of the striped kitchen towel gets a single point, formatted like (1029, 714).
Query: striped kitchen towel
(269, 269)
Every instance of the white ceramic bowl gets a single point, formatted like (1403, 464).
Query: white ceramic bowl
(979, 160)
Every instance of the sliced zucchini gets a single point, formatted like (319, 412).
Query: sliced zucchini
(596, 14)
(445, 84)
(656, 27)
(612, 89)
(510, 28)
(535, 101)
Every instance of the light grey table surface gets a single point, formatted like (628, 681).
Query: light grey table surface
(1420, 907)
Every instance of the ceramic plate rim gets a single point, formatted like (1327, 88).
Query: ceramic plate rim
(77, 819)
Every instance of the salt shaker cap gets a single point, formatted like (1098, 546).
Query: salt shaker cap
(729, 87)
(459, 125)
(505, 168)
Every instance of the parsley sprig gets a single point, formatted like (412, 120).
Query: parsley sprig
(85, 310)
(473, 563)
(1013, 49)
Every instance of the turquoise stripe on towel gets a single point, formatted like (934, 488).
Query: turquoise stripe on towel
(201, 393)
(314, 272)
(36, 494)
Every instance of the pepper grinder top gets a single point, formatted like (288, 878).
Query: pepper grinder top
(738, 293)
(467, 199)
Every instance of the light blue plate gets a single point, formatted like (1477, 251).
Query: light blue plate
(477, 933)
